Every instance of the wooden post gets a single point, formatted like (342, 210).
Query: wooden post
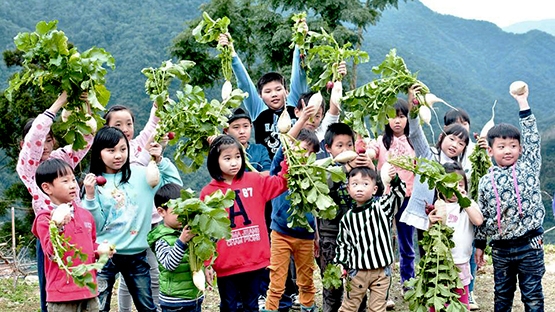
(14, 250)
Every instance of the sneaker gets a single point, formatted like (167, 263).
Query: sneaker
(296, 303)
(472, 305)
(261, 302)
(390, 305)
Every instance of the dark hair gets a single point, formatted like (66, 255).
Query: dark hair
(306, 97)
(165, 193)
(401, 108)
(336, 129)
(267, 78)
(365, 172)
(27, 128)
(108, 137)
(457, 130)
(220, 143)
(51, 169)
(455, 116)
(117, 108)
(457, 168)
(503, 131)
(309, 137)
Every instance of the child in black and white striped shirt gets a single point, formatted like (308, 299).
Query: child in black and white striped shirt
(364, 243)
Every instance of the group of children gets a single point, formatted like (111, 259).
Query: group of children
(255, 262)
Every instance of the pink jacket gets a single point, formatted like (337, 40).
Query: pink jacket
(399, 146)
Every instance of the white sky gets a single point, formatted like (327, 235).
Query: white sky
(501, 12)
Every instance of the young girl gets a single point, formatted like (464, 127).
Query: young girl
(243, 258)
(463, 221)
(395, 142)
(450, 147)
(37, 146)
(122, 211)
(122, 118)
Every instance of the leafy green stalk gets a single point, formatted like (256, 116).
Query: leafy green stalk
(209, 30)
(332, 277)
(66, 253)
(299, 37)
(434, 174)
(54, 65)
(376, 99)
(437, 276)
(481, 162)
(307, 182)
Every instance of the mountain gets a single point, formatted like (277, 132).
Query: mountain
(547, 25)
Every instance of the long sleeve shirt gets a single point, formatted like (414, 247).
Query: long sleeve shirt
(364, 241)
(400, 146)
(510, 197)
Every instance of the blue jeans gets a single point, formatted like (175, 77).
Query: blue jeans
(405, 238)
(525, 262)
(242, 287)
(195, 306)
(473, 268)
(125, 303)
(41, 276)
(136, 272)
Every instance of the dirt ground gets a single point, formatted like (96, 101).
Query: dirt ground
(25, 298)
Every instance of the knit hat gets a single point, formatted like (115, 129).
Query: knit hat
(238, 114)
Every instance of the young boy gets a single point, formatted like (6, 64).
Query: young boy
(339, 138)
(169, 242)
(364, 243)
(56, 179)
(510, 199)
(286, 242)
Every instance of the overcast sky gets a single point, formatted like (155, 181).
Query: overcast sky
(501, 12)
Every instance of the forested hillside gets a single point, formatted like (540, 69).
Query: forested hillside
(467, 63)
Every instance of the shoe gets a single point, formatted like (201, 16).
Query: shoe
(261, 302)
(296, 303)
(472, 305)
(390, 305)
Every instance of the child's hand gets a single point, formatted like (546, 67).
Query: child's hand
(307, 112)
(209, 274)
(482, 142)
(342, 269)
(392, 172)
(223, 40)
(342, 68)
(89, 183)
(362, 160)
(433, 217)
(479, 257)
(164, 140)
(412, 92)
(186, 234)
(60, 102)
(155, 150)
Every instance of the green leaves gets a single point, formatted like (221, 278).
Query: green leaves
(437, 278)
(434, 174)
(209, 30)
(481, 162)
(332, 277)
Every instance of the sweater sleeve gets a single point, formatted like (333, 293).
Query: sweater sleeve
(41, 229)
(148, 131)
(342, 250)
(274, 185)
(418, 139)
(93, 206)
(253, 103)
(326, 122)
(391, 202)
(531, 147)
(299, 84)
(169, 257)
(168, 173)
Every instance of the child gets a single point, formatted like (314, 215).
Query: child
(122, 212)
(364, 244)
(37, 146)
(510, 199)
(339, 138)
(297, 242)
(462, 220)
(242, 259)
(55, 178)
(122, 118)
(461, 117)
(395, 142)
(169, 240)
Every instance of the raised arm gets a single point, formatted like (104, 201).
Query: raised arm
(299, 84)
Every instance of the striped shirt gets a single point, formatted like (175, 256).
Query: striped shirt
(364, 241)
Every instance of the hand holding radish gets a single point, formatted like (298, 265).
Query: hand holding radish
(223, 40)
(155, 150)
(89, 183)
(519, 91)
(307, 112)
(412, 92)
(362, 160)
(186, 235)
(210, 275)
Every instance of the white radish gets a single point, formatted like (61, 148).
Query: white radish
(91, 122)
(371, 153)
(425, 114)
(199, 279)
(105, 248)
(226, 90)
(65, 114)
(315, 100)
(345, 157)
(431, 98)
(336, 93)
(152, 173)
(59, 213)
(384, 173)
(439, 206)
(284, 121)
(490, 123)
(518, 87)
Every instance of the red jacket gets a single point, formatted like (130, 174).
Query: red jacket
(82, 230)
(249, 247)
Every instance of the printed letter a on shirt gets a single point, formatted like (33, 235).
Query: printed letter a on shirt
(242, 212)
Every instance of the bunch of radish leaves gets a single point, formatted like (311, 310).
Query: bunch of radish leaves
(376, 99)
(65, 253)
(481, 162)
(434, 174)
(53, 65)
(437, 276)
(299, 37)
(332, 277)
(209, 30)
(208, 221)
(307, 183)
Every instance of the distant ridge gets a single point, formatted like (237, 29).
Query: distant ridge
(547, 25)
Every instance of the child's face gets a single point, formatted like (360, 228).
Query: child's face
(464, 123)
(312, 123)
(309, 148)
(340, 143)
(462, 189)
(115, 157)
(122, 120)
(240, 129)
(361, 189)
(274, 94)
(452, 145)
(505, 152)
(62, 190)
(230, 162)
(170, 219)
(48, 146)
(398, 124)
